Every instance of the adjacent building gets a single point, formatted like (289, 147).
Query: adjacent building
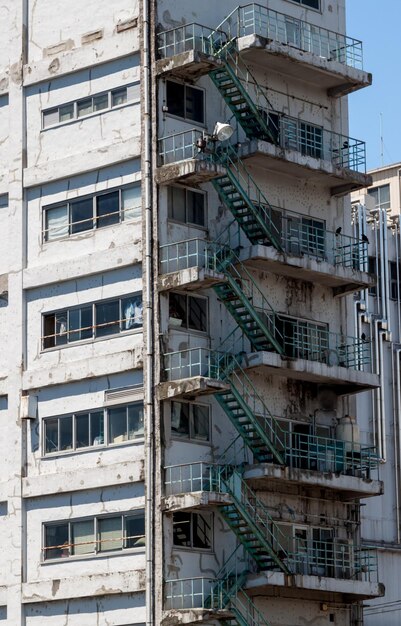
(180, 370)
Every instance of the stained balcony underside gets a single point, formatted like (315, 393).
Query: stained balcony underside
(289, 162)
(262, 476)
(336, 78)
(194, 616)
(190, 387)
(188, 172)
(345, 380)
(189, 65)
(192, 278)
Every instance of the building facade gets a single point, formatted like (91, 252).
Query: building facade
(180, 369)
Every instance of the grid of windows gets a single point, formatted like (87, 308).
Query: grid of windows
(92, 104)
(91, 321)
(89, 212)
(193, 530)
(381, 196)
(185, 101)
(189, 312)
(101, 427)
(186, 206)
(94, 535)
(190, 421)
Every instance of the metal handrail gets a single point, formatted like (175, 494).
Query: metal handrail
(189, 37)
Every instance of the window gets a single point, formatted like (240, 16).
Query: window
(186, 206)
(91, 321)
(395, 280)
(94, 535)
(190, 421)
(381, 196)
(185, 101)
(192, 530)
(101, 427)
(92, 104)
(312, 4)
(373, 291)
(188, 312)
(96, 211)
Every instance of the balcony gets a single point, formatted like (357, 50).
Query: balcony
(322, 57)
(306, 251)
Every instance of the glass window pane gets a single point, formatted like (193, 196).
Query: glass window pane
(101, 102)
(178, 310)
(197, 313)
(81, 215)
(131, 202)
(182, 529)
(135, 531)
(56, 541)
(84, 107)
(135, 420)
(132, 312)
(180, 419)
(110, 534)
(66, 433)
(80, 323)
(66, 112)
(176, 204)
(82, 537)
(175, 98)
(196, 208)
(50, 117)
(108, 209)
(200, 422)
(107, 318)
(117, 424)
(56, 223)
(97, 428)
(202, 531)
(194, 104)
(51, 435)
(82, 430)
(133, 92)
(61, 328)
(118, 97)
(49, 340)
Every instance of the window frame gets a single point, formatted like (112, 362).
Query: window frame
(191, 515)
(394, 281)
(186, 327)
(68, 332)
(380, 204)
(185, 117)
(187, 222)
(74, 103)
(107, 443)
(139, 512)
(302, 4)
(95, 218)
(191, 438)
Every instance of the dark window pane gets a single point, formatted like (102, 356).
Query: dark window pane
(182, 529)
(175, 99)
(51, 435)
(56, 541)
(200, 422)
(135, 531)
(66, 433)
(178, 309)
(81, 215)
(135, 420)
(66, 112)
(180, 419)
(80, 323)
(131, 309)
(194, 108)
(118, 97)
(197, 313)
(202, 531)
(82, 430)
(196, 208)
(118, 424)
(107, 318)
(176, 204)
(101, 102)
(108, 209)
(97, 428)
(84, 107)
(49, 340)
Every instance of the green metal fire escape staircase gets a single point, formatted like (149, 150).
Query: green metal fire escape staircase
(249, 519)
(235, 189)
(247, 304)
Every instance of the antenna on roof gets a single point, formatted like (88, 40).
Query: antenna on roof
(381, 140)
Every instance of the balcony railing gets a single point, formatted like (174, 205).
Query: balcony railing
(196, 362)
(189, 37)
(192, 593)
(195, 252)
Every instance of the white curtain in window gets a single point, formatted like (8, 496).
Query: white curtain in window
(131, 202)
(57, 223)
(110, 534)
(82, 537)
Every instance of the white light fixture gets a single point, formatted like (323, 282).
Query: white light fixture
(222, 131)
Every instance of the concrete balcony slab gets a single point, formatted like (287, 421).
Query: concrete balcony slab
(190, 387)
(188, 172)
(189, 65)
(191, 279)
(193, 616)
(195, 500)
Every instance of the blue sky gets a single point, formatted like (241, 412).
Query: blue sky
(378, 25)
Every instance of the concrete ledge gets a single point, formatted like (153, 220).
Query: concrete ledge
(114, 583)
(85, 265)
(193, 616)
(195, 500)
(292, 163)
(345, 380)
(342, 280)
(79, 480)
(85, 369)
(336, 78)
(260, 476)
(190, 171)
(189, 65)
(191, 278)
(190, 387)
